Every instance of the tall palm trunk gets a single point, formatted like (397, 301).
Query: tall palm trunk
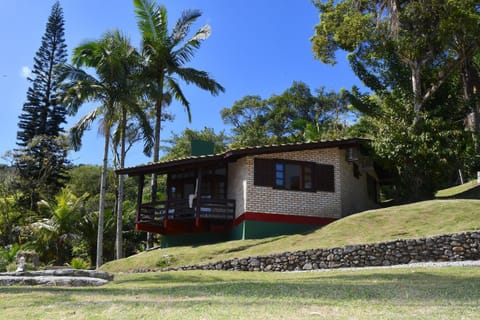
(156, 151)
(101, 207)
(121, 180)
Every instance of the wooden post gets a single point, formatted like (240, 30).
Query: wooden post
(141, 182)
(167, 202)
(197, 206)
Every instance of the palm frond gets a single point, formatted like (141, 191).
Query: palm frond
(147, 131)
(200, 79)
(186, 52)
(152, 19)
(86, 54)
(177, 93)
(77, 131)
(182, 26)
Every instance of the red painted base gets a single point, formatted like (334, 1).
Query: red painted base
(172, 227)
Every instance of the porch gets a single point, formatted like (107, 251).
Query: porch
(188, 199)
(175, 216)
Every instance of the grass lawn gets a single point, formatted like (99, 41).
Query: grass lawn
(415, 220)
(470, 189)
(417, 293)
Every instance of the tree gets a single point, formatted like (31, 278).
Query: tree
(180, 144)
(432, 39)
(295, 115)
(108, 57)
(86, 179)
(41, 158)
(165, 56)
(61, 225)
(412, 55)
(248, 116)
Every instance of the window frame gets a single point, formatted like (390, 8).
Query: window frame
(277, 163)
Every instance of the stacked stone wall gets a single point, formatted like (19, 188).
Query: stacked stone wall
(452, 247)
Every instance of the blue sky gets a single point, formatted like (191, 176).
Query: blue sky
(256, 47)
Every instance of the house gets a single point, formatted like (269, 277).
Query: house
(256, 192)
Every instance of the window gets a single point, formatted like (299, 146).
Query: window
(294, 175)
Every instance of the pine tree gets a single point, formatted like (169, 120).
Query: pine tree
(41, 158)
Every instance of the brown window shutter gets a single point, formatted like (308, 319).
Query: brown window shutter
(325, 178)
(263, 172)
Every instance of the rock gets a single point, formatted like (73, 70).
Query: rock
(307, 266)
(52, 281)
(254, 262)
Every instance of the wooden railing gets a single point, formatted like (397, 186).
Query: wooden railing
(214, 209)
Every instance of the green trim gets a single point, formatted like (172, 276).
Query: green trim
(245, 230)
(258, 229)
(193, 239)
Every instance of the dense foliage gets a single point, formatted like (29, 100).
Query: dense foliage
(41, 158)
(295, 115)
(419, 61)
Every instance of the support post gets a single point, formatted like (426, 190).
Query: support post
(141, 182)
(167, 202)
(198, 202)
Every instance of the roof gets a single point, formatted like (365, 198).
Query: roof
(234, 154)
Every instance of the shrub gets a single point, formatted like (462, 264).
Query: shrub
(79, 263)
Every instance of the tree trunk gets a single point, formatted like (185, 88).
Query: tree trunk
(156, 153)
(121, 179)
(101, 207)
(417, 90)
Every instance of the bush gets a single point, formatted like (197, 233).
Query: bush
(79, 263)
(11, 267)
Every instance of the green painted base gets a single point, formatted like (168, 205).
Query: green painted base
(193, 239)
(245, 230)
(259, 229)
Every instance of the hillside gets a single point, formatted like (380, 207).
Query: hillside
(415, 220)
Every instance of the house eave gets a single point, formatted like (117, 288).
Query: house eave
(234, 154)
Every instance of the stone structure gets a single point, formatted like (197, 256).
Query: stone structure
(452, 247)
(57, 277)
(29, 257)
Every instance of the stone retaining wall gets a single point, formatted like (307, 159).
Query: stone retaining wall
(452, 247)
(58, 277)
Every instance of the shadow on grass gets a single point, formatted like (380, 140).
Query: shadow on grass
(410, 286)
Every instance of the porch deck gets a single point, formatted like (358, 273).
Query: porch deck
(157, 214)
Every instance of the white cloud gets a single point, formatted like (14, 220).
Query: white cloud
(25, 72)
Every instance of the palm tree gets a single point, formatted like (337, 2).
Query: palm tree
(64, 214)
(128, 132)
(165, 55)
(111, 57)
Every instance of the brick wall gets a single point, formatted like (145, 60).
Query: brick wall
(269, 200)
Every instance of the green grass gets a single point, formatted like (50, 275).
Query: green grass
(469, 188)
(415, 220)
(419, 293)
